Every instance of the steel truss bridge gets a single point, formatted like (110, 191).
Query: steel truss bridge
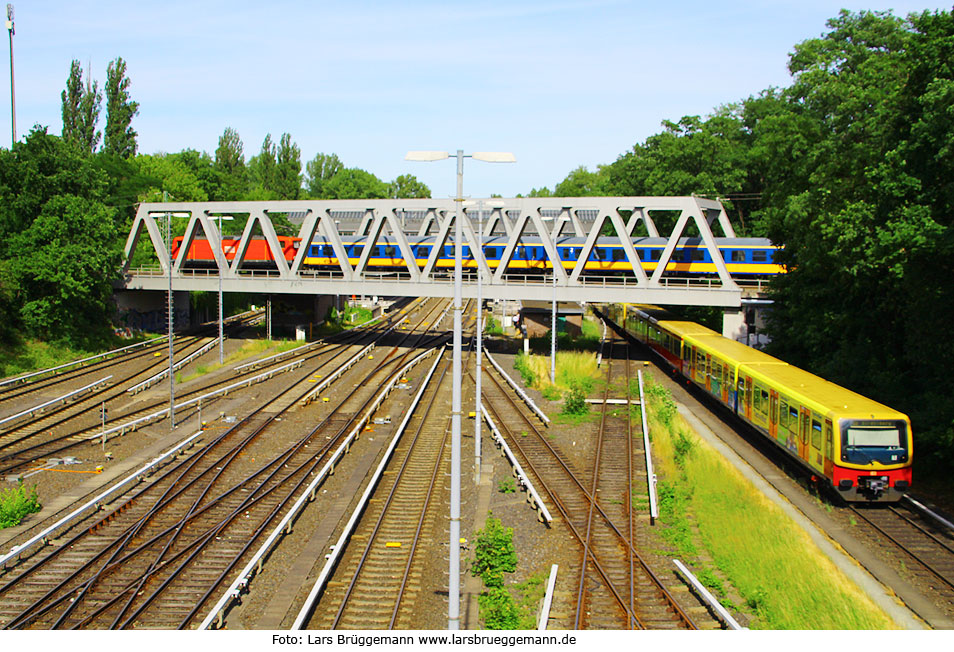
(547, 218)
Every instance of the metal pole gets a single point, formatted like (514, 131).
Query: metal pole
(453, 592)
(480, 328)
(221, 326)
(13, 102)
(169, 319)
(553, 329)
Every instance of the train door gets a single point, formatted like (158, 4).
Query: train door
(829, 449)
(773, 413)
(726, 379)
(803, 426)
(748, 398)
(708, 372)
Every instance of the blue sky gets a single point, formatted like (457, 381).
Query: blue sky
(559, 83)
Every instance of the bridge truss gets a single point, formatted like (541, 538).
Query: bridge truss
(546, 218)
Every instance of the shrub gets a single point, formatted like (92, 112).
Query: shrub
(574, 400)
(495, 553)
(17, 503)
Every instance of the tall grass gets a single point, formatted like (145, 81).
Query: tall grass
(572, 367)
(783, 578)
(249, 349)
(17, 503)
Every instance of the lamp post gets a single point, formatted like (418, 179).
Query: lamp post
(480, 329)
(221, 325)
(13, 103)
(453, 589)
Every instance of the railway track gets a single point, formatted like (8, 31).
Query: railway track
(928, 549)
(378, 579)
(616, 589)
(158, 556)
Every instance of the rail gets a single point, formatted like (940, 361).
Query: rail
(135, 389)
(65, 397)
(723, 614)
(547, 600)
(934, 516)
(534, 497)
(650, 473)
(17, 379)
(519, 390)
(97, 501)
(248, 382)
(339, 546)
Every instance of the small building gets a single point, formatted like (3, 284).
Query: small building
(537, 317)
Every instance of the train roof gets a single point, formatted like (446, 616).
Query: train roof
(415, 240)
(827, 396)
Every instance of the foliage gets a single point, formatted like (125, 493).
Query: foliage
(120, 137)
(406, 186)
(354, 183)
(498, 610)
(230, 166)
(319, 171)
(507, 486)
(494, 553)
(574, 399)
(81, 110)
(17, 503)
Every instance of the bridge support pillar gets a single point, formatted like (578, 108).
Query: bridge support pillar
(733, 324)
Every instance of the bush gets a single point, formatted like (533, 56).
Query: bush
(498, 609)
(574, 400)
(17, 503)
(495, 553)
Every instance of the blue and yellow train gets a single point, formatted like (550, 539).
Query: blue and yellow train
(742, 256)
(859, 447)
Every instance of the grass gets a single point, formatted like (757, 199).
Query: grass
(248, 350)
(17, 503)
(32, 355)
(785, 581)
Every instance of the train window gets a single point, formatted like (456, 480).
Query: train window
(389, 251)
(656, 254)
(759, 256)
(328, 251)
(700, 361)
(521, 253)
(783, 415)
(816, 434)
(423, 252)
(773, 409)
(737, 256)
(761, 400)
(698, 254)
(829, 452)
(619, 254)
(597, 254)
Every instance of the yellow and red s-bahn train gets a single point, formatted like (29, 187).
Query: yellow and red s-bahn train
(861, 448)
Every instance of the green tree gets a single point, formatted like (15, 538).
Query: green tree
(319, 171)
(80, 110)
(120, 139)
(406, 186)
(230, 166)
(582, 183)
(170, 174)
(354, 183)
(68, 257)
(261, 169)
(287, 174)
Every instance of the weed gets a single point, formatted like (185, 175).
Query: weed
(507, 486)
(17, 503)
(574, 400)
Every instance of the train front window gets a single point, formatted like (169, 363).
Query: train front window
(864, 442)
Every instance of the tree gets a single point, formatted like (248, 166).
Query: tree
(262, 170)
(80, 109)
(406, 186)
(120, 137)
(319, 171)
(287, 180)
(355, 183)
(230, 166)
(68, 257)
(582, 183)
(168, 172)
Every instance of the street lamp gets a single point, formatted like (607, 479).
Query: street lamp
(13, 103)
(480, 329)
(221, 326)
(453, 592)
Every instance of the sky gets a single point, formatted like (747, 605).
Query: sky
(559, 83)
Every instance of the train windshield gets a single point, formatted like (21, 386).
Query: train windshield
(865, 442)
